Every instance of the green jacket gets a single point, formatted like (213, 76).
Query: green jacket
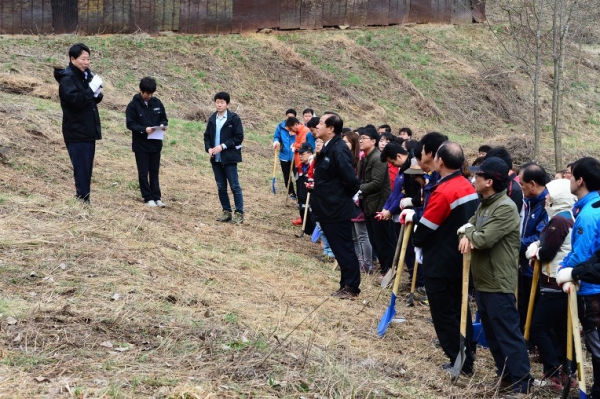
(374, 183)
(496, 239)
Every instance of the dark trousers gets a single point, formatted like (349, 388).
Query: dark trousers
(82, 159)
(589, 316)
(500, 321)
(339, 235)
(524, 290)
(382, 236)
(228, 173)
(147, 166)
(286, 168)
(445, 298)
(549, 330)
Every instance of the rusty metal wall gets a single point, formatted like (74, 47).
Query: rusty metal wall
(224, 16)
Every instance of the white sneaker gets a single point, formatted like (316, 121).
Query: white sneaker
(160, 203)
(151, 203)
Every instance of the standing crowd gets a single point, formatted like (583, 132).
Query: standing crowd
(356, 189)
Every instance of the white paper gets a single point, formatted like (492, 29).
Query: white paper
(157, 134)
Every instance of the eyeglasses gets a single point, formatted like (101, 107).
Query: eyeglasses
(361, 138)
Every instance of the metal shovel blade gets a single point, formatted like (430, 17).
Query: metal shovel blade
(460, 360)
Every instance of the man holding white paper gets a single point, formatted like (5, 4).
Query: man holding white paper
(147, 120)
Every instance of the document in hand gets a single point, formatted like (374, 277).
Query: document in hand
(157, 134)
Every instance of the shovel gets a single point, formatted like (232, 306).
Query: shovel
(391, 310)
(305, 215)
(577, 340)
(411, 297)
(387, 279)
(462, 352)
(287, 187)
(567, 370)
(534, 283)
(274, 172)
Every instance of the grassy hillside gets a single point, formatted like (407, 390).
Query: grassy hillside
(119, 300)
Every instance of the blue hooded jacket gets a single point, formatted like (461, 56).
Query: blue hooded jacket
(285, 140)
(585, 237)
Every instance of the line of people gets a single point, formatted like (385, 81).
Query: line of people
(366, 182)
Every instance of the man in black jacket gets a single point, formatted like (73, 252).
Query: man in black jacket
(223, 142)
(143, 114)
(335, 184)
(80, 92)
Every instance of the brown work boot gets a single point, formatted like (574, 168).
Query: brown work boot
(225, 217)
(238, 218)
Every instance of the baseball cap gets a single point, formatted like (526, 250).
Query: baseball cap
(493, 168)
(305, 147)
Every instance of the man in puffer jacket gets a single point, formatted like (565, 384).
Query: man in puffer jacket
(585, 241)
(549, 323)
(80, 91)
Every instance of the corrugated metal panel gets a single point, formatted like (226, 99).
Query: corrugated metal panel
(356, 12)
(251, 15)
(167, 15)
(192, 17)
(399, 10)
(91, 16)
(441, 11)
(143, 16)
(461, 12)
(312, 14)
(334, 12)
(289, 14)
(378, 12)
(223, 16)
(219, 16)
(117, 15)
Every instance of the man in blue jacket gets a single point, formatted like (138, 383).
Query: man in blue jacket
(223, 143)
(585, 240)
(533, 179)
(283, 140)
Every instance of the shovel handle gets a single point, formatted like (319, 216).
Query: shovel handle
(576, 338)
(465, 293)
(534, 282)
(275, 162)
(414, 278)
(405, 238)
(305, 212)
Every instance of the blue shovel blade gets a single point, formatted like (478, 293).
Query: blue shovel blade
(273, 186)
(315, 235)
(583, 395)
(388, 316)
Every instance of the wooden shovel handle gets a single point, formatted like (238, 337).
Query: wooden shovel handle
(465, 293)
(576, 337)
(534, 282)
(405, 238)
(305, 211)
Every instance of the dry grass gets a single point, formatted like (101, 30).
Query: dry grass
(119, 300)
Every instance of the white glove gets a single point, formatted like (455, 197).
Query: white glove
(568, 286)
(406, 203)
(97, 92)
(275, 145)
(564, 275)
(96, 83)
(355, 198)
(462, 229)
(419, 255)
(532, 250)
(407, 216)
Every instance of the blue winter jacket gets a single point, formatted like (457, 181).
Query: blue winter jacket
(285, 140)
(534, 221)
(585, 237)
